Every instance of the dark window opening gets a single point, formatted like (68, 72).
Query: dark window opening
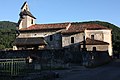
(94, 48)
(31, 21)
(35, 34)
(92, 37)
(51, 37)
(72, 39)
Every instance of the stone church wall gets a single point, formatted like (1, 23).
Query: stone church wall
(66, 39)
(56, 41)
(102, 35)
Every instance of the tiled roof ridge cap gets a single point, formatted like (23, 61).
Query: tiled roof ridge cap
(53, 23)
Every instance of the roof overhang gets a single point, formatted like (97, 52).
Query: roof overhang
(31, 41)
(94, 42)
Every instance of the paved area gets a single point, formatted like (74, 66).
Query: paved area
(110, 71)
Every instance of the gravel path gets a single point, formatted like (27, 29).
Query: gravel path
(110, 71)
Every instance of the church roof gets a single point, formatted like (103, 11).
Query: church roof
(25, 12)
(24, 4)
(29, 41)
(47, 26)
(73, 28)
(79, 27)
(94, 42)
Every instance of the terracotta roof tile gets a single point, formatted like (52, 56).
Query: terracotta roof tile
(94, 42)
(47, 26)
(78, 27)
(29, 41)
(73, 28)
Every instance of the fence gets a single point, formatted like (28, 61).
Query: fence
(11, 67)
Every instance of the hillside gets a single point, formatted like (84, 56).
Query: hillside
(7, 25)
(7, 34)
(8, 31)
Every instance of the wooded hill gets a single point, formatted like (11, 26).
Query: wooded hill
(8, 31)
(7, 34)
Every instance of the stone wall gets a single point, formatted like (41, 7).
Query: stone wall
(98, 47)
(102, 35)
(66, 39)
(55, 43)
(58, 53)
(59, 56)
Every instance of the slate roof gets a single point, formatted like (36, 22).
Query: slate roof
(73, 28)
(25, 12)
(24, 4)
(29, 41)
(94, 42)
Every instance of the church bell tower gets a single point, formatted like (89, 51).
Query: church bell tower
(26, 18)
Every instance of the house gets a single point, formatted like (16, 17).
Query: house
(70, 35)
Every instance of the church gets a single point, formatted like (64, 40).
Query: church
(68, 35)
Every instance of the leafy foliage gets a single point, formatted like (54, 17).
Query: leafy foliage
(7, 34)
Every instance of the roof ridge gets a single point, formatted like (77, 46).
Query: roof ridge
(53, 23)
(23, 4)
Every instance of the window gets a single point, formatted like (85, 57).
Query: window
(51, 37)
(72, 39)
(31, 21)
(94, 48)
(92, 37)
(35, 34)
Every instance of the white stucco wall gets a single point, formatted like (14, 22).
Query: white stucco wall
(98, 47)
(20, 25)
(29, 20)
(25, 7)
(66, 39)
(26, 22)
(35, 34)
(102, 35)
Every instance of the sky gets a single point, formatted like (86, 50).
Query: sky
(57, 11)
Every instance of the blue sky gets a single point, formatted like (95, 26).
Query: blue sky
(57, 11)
